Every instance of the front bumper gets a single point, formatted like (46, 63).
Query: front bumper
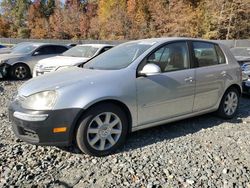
(36, 127)
(246, 86)
(4, 68)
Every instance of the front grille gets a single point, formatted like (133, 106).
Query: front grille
(40, 69)
(48, 69)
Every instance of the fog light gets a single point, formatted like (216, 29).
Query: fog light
(59, 129)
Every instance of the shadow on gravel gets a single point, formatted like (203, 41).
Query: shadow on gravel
(60, 183)
(181, 128)
(177, 129)
(11, 80)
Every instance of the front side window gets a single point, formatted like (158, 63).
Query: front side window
(44, 50)
(207, 54)
(171, 57)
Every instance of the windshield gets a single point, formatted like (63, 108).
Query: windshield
(241, 52)
(23, 49)
(118, 57)
(81, 51)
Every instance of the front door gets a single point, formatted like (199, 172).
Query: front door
(170, 93)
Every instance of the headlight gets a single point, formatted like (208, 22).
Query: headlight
(3, 61)
(63, 67)
(40, 101)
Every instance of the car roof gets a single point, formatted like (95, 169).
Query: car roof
(96, 45)
(42, 43)
(169, 39)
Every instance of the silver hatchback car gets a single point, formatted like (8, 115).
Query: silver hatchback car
(136, 85)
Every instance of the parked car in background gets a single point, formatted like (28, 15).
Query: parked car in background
(2, 46)
(242, 55)
(20, 62)
(73, 57)
(133, 86)
(9, 49)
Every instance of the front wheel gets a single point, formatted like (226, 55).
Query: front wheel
(102, 130)
(229, 104)
(20, 71)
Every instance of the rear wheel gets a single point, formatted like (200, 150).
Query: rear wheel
(20, 71)
(229, 104)
(102, 130)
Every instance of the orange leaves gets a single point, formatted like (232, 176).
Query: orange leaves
(128, 19)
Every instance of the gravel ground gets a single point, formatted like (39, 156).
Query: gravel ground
(205, 151)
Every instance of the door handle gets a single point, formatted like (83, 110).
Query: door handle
(223, 73)
(189, 79)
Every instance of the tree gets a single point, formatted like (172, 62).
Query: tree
(15, 13)
(4, 27)
(112, 18)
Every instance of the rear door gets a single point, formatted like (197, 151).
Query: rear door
(210, 74)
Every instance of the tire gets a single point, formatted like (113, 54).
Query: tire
(102, 130)
(20, 71)
(229, 104)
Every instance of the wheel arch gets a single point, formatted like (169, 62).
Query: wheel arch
(236, 86)
(21, 63)
(109, 101)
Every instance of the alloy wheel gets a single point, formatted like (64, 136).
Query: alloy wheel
(104, 131)
(231, 103)
(20, 72)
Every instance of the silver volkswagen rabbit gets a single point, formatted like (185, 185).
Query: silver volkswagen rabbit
(133, 86)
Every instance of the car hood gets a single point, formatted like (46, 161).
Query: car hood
(64, 78)
(62, 61)
(9, 56)
(242, 58)
(5, 50)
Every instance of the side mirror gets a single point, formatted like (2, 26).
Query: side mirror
(36, 53)
(150, 70)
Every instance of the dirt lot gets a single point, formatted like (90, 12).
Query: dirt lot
(205, 151)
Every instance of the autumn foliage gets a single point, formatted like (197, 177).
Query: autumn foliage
(125, 19)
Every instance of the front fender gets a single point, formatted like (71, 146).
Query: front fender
(84, 96)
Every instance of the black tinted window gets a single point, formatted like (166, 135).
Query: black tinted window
(206, 54)
(46, 50)
(60, 49)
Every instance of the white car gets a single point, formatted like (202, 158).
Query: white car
(73, 57)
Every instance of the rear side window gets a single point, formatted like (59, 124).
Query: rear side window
(208, 54)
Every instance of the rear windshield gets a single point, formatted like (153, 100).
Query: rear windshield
(81, 51)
